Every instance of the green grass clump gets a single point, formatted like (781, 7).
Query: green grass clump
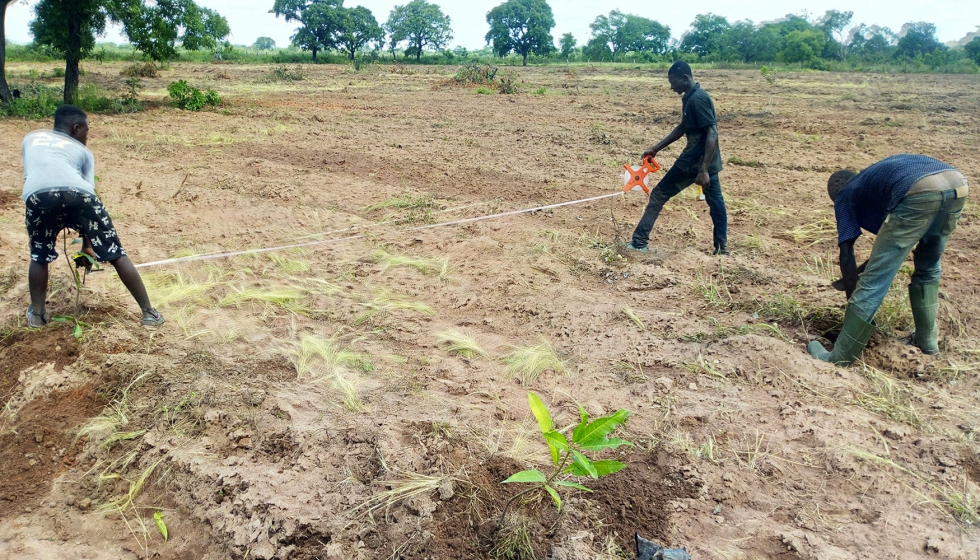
(528, 362)
(407, 202)
(315, 356)
(168, 288)
(461, 344)
(385, 302)
(290, 299)
(427, 266)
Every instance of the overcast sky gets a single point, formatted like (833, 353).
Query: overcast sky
(250, 19)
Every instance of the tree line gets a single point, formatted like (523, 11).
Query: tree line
(521, 27)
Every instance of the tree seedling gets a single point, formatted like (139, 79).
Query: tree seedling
(567, 454)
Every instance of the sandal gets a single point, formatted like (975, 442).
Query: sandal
(36, 320)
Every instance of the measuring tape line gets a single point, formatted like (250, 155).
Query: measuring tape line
(213, 256)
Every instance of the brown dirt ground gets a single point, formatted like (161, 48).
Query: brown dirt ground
(745, 446)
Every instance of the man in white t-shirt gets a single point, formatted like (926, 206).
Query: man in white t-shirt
(59, 193)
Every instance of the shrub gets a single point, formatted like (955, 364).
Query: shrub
(283, 74)
(140, 70)
(189, 98)
(37, 101)
(474, 73)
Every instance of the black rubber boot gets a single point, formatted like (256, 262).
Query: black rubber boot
(854, 336)
(924, 301)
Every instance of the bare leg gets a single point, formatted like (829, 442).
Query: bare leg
(131, 279)
(37, 279)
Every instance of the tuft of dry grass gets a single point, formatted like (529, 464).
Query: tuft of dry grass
(528, 362)
(887, 396)
(815, 232)
(461, 344)
(632, 316)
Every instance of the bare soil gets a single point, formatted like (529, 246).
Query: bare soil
(745, 447)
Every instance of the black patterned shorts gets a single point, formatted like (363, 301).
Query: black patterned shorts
(50, 212)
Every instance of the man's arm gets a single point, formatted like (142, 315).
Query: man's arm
(710, 146)
(848, 267)
(671, 137)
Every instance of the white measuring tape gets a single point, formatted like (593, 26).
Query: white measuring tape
(212, 256)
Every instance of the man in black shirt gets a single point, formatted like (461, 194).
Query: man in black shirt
(699, 163)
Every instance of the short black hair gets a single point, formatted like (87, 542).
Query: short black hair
(837, 181)
(68, 116)
(680, 68)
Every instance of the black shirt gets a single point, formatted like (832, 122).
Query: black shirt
(698, 114)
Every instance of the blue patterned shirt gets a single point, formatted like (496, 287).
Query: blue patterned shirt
(869, 196)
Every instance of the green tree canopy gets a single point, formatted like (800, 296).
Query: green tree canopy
(567, 44)
(803, 46)
(706, 35)
(972, 50)
(316, 22)
(833, 24)
(155, 28)
(355, 28)
(420, 24)
(264, 44)
(627, 32)
(917, 38)
(521, 26)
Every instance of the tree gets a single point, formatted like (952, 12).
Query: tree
(705, 36)
(521, 26)
(264, 44)
(803, 46)
(873, 41)
(421, 25)
(973, 50)
(69, 27)
(567, 44)
(5, 96)
(315, 18)
(736, 41)
(354, 28)
(917, 38)
(833, 23)
(627, 32)
(765, 44)
(597, 49)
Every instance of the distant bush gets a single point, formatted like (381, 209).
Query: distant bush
(189, 98)
(37, 101)
(140, 70)
(283, 74)
(477, 74)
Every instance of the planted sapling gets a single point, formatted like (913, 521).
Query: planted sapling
(568, 454)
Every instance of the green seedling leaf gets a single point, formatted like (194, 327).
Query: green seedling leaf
(603, 468)
(526, 476)
(554, 496)
(77, 331)
(576, 434)
(158, 520)
(540, 412)
(601, 426)
(556, 444)
(598, 444)
(569, 484)
(585, 464)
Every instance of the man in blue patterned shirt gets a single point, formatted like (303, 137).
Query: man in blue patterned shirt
(911, 203)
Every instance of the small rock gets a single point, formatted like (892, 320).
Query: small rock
(38, 437)
(719, 519)
(895, 433)
(947, 461)
(718, 509)
(254, 397)
(933, 544)
(665, 383)
(446, 491)
(84, 504)
(693, 386)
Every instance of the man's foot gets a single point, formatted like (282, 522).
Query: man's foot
(632, 247)
(152, 318)
(723, 250)
(36, 320)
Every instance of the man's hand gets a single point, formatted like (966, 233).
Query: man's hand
(651, 153)
(848, 267)
(703, 178)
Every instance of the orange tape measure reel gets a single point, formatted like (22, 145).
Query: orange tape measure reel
(637, 177)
